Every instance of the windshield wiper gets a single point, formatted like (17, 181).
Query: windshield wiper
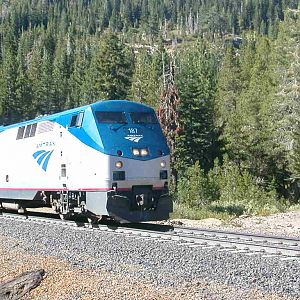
(117, 128)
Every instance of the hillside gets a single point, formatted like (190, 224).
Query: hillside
(232, 66)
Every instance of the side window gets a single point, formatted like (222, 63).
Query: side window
(33, 130)
(76, 120)
(20, 132)
(79, 119)
(73, 121)
(27, 131)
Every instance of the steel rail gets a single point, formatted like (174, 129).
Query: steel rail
(234, 240)
(191, 237)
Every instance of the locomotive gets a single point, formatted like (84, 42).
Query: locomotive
(106, 159)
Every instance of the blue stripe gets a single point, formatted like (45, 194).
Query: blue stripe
(37, 153)
(39, 161)
(45, 164)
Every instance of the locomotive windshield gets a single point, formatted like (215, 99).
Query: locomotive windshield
(111, 117)
(143, 118)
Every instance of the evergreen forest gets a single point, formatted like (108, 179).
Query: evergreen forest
(223, 75)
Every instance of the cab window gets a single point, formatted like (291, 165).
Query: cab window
(76, 120)
(111, 117)
(143, 118)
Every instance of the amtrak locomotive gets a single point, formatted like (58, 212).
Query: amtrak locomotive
(109, 158)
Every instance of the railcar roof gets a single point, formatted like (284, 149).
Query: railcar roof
(106, 105)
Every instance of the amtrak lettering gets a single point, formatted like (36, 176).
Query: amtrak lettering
(45, 144)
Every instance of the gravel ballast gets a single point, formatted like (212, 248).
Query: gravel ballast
(133, 268)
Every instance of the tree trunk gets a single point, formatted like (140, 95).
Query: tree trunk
(16, 288)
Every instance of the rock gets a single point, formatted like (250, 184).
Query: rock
(244, 216)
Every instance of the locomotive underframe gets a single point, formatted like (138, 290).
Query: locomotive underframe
(141, 203)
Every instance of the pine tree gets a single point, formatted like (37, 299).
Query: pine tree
(286, 105)
(23, 90)
(256, 144)
(8, 80)
(41, 80)
(197, 84)
(230, 87)
(34, 76)
(110, 72)
(77, 78)
(61, 75)
(146, 84)
(139, 78)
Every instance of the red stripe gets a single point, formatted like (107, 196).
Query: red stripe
(103, 189)
(66, 189)
(62, 189)
(32, 189)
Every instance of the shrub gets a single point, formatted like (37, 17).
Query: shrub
(240, 189)
(183, 211)
(225, 191)
(194, 187)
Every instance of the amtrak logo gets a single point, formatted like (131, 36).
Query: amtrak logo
(42, 158)
(134, 138)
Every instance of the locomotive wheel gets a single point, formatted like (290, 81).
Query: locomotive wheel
(93, 219)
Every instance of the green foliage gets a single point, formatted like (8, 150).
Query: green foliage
(187, 17)
(229, 89)
(23, 89)
(146, 84)
(8, 80)
(183, 211)
(78, 75)
(230, 86)
(194, 187)
(254, 111)
(244, 114)
(240, 189)
(295, 156)
(226, 191)
(110, 71)
(240, 100)
(286, 104)
(196, 83)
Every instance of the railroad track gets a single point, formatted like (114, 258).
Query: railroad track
(245, 241)
(235, 242)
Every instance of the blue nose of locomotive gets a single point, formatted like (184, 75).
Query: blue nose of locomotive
(130, 130)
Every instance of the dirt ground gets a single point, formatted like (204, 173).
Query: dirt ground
(284, 224)
(67, 282)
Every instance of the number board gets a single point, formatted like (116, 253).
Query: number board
(133, 130)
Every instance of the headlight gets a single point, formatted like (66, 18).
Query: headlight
(144, 152)
(140, 152)
(119, 164)
(136, 151)
(163, 164)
